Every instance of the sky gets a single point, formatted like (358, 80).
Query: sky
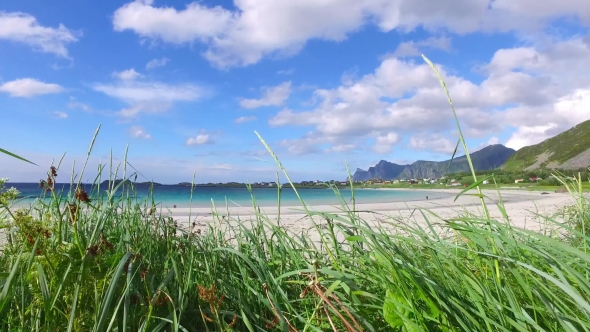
(179, 88)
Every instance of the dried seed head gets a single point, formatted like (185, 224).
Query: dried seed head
(53, 171)
(82, 196)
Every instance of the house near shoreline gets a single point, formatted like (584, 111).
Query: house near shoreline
(518, 180)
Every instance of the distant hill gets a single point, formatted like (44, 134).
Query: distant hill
(490, 157)
(106, 183)
(383, 169)
(569, 150)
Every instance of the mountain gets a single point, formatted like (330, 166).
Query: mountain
(569, 150)
(383, 170)
(490, 157)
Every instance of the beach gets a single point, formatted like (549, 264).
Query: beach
(522, 208)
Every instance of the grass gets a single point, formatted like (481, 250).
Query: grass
(90, 260)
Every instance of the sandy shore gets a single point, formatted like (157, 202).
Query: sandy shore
(521, 206)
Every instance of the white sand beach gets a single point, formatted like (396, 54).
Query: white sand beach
(521, 206)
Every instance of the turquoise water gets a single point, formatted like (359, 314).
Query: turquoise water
(180, 196)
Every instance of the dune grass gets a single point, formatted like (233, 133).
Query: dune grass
(98, 259)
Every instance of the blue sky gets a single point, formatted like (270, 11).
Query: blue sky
(185, 84)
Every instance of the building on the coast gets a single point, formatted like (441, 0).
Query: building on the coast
(454, 184)
(518, 180)
(535, 179)
(387, 182)
(486, 182)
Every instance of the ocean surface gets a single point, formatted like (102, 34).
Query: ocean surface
(169, 195)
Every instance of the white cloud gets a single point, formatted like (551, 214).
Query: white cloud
(341, 148)
(75, 104)
(272, 96)
(286, 71)
(528, 135)
(29, 87)
(127, 75)
(139, 132)
(199, 140)
(243, 119)
(24, 28)
(61, 115)
(414, 48)
(384, 143)
(155, 63)
(239, 37)
(147, 96)
(537, 91)
(433, 143)
(491, 141)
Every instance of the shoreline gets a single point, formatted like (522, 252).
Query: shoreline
(522, 207)
(446, 201)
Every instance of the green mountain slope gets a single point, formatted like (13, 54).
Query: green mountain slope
(568, 150)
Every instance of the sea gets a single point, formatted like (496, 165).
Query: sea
(170, 195)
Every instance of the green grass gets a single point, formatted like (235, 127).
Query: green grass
(108, 265)
(563, 147)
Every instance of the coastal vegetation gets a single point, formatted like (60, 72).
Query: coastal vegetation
(90, 260)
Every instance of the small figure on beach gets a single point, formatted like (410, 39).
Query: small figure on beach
(426, 197)
(175, 206)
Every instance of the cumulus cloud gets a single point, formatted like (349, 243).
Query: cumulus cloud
(29, 87)
(24, 28)
(341, 148)
(243, 119)
(148, 96)
(155, 63)
(127, 75)
(200, 139)
(535, 91)
(384, 143)
(271, 96)
(139, 132)
(238, 37)
(433, 143)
